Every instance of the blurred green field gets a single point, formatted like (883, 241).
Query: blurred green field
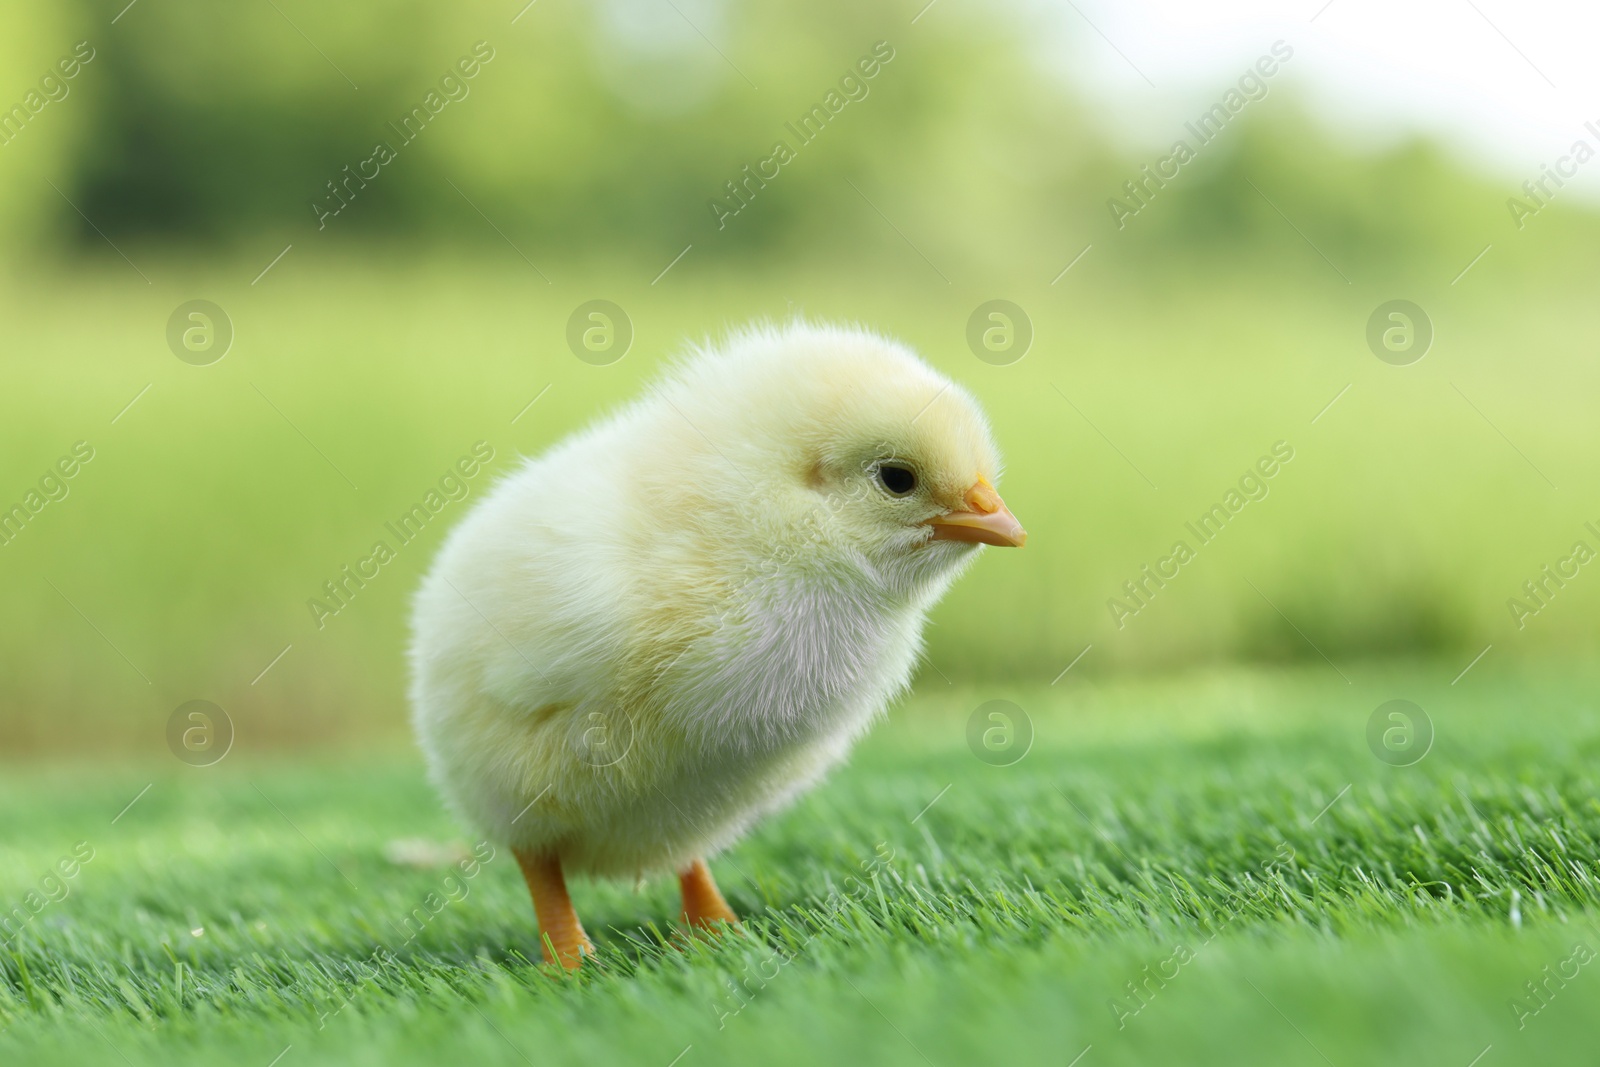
(1322, 906)
(1169, 354)
(182, 560)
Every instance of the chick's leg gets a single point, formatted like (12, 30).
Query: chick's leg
(559, 929)
(702, 903)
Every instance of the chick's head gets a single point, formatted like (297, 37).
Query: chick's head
(851, 448)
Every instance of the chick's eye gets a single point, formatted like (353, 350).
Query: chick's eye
(897, 479)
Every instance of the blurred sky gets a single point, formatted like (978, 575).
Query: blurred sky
(1504, 84)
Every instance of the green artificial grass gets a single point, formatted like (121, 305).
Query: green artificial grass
(1211, 868)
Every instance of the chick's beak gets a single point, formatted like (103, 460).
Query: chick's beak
(985, 519)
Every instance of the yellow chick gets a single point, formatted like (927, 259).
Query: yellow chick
(670, 624)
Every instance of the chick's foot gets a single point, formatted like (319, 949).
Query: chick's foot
(559, 929)
(703, 906)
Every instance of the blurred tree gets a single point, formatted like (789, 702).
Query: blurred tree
(615, 125)
(593, 126)
(43, 123)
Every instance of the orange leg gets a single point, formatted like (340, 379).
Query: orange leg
(559, 929)
(702, 904)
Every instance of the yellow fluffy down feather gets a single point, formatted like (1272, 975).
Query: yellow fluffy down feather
(671, 623)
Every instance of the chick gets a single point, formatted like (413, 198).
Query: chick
(672, 623)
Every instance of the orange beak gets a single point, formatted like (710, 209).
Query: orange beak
(985, 520)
